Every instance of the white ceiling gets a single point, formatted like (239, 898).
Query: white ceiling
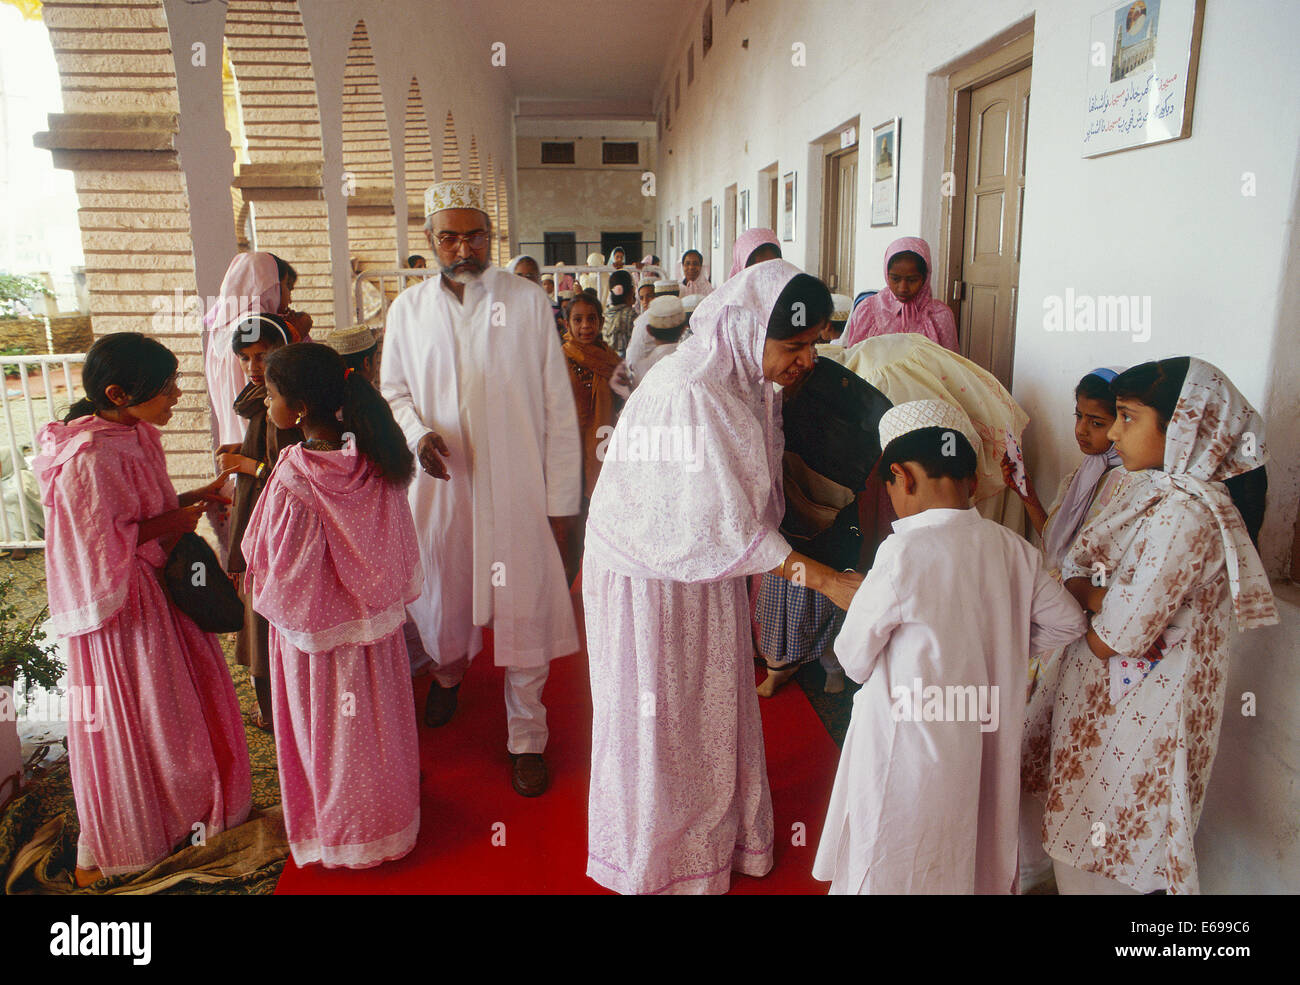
(609, 53)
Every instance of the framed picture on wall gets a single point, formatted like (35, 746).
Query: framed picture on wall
(1142, 68)
(788, 199)
(884, 173)
(742, 211)
(717, 226)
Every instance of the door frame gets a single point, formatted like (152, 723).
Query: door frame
(830, 202)
(1007, 60)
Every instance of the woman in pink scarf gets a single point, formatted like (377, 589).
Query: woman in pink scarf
(251, 285)
(748, 249)
(332, 562)
(687, 506)
(159, 752)
(905, 303)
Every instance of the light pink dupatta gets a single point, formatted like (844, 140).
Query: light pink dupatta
(884, 314)
(690, 490)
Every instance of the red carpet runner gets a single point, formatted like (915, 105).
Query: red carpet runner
(467, 803)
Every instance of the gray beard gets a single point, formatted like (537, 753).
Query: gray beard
(461, 274)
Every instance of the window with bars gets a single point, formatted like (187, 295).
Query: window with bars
(557, 152)
(619, 152)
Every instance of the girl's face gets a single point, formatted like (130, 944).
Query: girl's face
(286, 292)
(646, 294)
(1137, 436)
(691, 267)
(252, 360)
(528, 270)
(584, 323)
(768, 251)
(1092, 424)
(282, 415)
(156, 411)
(905, 279)
(785, 361)
(617, 261)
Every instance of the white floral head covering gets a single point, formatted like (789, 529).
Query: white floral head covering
(1214, 433)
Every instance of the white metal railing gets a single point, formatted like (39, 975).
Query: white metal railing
(22, 419)
(370, 288)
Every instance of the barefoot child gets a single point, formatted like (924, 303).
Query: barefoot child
(927, 794)
(1130, 714)
(332, 562)
(166, 755)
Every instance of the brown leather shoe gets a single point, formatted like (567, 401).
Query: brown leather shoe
(530, 778)
(440, 705)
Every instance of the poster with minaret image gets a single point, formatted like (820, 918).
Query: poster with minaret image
(1141, 75)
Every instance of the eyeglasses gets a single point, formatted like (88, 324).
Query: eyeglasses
(451, 241)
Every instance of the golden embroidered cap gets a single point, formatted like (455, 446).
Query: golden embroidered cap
(841, 306)
(349, 341)
(442, 195)
(917, 414)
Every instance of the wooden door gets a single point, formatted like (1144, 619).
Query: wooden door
(840, 223)
(994, 195)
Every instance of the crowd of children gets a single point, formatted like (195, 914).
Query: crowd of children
(1119, 623)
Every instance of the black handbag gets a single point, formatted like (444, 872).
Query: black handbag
(199, 587)
(831, 423)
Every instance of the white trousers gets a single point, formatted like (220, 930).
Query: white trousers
(525, 714)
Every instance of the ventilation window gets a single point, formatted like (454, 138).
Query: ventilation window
(622, 152)
(557, 153)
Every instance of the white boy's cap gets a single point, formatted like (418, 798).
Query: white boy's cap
(666, 312)
(667, 287)
(917, 414)
(691, 302)
(841, 305)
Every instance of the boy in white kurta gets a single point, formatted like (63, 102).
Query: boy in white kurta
(927, 794)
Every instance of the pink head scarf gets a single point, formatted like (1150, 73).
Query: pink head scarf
(707, 504)
(746, 243)
(251, 285)
(884, 314)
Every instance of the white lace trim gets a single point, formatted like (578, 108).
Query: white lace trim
(358, 632)
(88, 617)
(361, 856)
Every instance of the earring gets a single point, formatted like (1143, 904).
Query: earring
(301, 415)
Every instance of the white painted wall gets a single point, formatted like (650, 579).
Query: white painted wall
(1168, 221)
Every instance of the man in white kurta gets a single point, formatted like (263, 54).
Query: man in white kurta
(927, 794)
(483, 373)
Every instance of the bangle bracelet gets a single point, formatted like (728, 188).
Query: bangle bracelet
(260, 471)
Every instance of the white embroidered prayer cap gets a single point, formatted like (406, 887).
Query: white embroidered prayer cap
(349, 341)
(914, 415)
(667, 287)
(442, 195)
(841, 306)
(666, 312)
(692, 301)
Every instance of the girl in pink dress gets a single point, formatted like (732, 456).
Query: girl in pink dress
(332, 562)
(162, 756)
(905, 304)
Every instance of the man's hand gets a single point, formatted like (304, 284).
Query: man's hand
(431, 451)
